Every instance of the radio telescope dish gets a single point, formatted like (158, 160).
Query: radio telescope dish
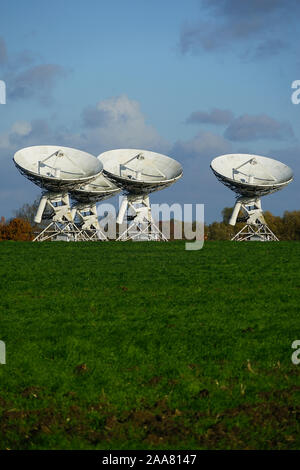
(85, 209)
(251, 177)
(57, 168)
(138, 173)
(98, 190)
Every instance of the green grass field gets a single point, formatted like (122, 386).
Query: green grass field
(148, 346)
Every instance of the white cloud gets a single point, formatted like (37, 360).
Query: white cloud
(205, 145)
(254, 127)
(22, 127)
(4, 141)
(119, 122)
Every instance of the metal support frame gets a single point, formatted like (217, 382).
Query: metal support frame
(142, 227)
(56, 231)
(259, 232)
(256, 228)
(88, 223)
(55, 207)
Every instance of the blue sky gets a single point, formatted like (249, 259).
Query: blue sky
(190, 79)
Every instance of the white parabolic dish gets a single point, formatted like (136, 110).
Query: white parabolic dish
(140, 171)
(251, 175)
(98, 190)
(57, 168)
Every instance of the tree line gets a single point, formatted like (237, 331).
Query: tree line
(22, 226)
(286, 227)
(15, 229)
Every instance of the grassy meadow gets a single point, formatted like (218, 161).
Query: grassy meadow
(148, 346)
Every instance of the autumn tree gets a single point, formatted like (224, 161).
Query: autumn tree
(291, 225)
(16, 229)
(226, 214)
(27, 212)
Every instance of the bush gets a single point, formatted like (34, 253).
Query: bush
(16, 229)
